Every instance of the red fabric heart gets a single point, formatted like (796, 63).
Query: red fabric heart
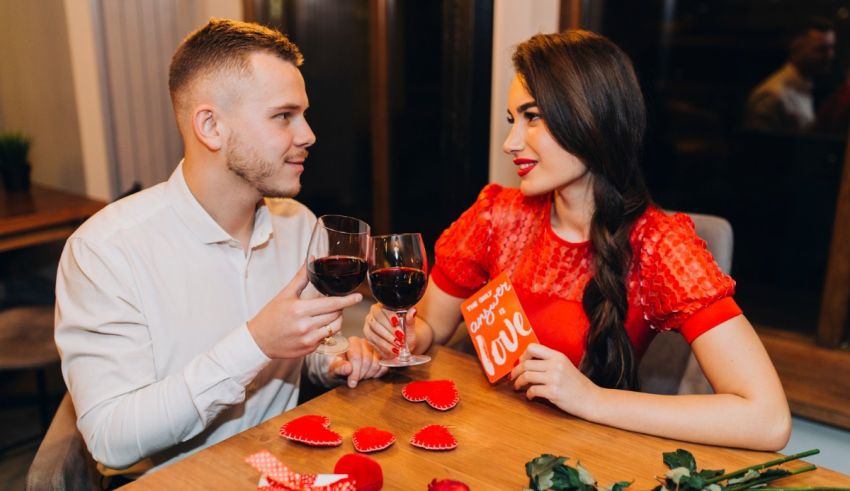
(312, 430)
(371, 439)
(365, 472)
(277, 473)
(434, 437)
(439, 394)
(447, 485)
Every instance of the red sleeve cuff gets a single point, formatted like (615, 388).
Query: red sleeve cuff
(709, 317)
(447, 285)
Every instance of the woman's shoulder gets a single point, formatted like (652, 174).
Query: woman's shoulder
(655, 225)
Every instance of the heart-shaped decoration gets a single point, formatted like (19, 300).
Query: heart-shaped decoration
(371, 439)
(312, 430)
(434, 437)
(439, 394)
(365, 472)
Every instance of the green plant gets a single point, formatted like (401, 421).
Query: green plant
(14, 147)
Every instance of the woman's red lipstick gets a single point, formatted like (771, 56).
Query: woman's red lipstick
(525, 165)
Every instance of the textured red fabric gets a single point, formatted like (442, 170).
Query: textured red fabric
(439, 394)
(671, 277)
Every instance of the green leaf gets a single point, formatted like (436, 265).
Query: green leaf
(585, 476)
(710, 473)
(540, 471)
(680, 458)
(619, 486)
(676, 474)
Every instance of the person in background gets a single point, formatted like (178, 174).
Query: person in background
(783, 102)
(598, 269)
(181, 311)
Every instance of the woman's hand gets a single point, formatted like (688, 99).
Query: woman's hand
(360, 362)
(551, 375)
(382, 328)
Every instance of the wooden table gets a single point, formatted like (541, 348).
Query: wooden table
(42, 215)
(497, 429)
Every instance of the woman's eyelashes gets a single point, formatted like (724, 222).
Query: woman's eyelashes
(529, 116)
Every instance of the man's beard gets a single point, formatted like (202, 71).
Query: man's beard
(255, 171)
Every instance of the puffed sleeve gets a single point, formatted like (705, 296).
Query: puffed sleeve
(681, 286)
(461, 259)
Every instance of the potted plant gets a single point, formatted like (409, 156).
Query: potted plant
(14, 165)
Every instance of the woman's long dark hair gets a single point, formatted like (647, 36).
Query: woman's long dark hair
(590, 99)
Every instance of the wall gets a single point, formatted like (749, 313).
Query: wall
(513, 22)
(36, 96)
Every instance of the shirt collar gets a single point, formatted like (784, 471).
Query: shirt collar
(200, 223)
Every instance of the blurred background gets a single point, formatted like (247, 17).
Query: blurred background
(407, 102)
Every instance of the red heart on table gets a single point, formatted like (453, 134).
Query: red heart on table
(434, 437)
(439, 394)
(312, 430)
(371, 439)
(277, 473)
(365, 472)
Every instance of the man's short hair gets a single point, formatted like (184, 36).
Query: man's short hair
(810, 23)
(224, 44)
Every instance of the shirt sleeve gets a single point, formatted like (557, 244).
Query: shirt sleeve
(681, 286)
(125, 411)
(461, 259)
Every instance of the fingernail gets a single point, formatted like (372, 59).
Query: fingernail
(359, 297)
(510, 375)
(394, 321)
(395, 350)
(413, 311)
(352, 384)
(516, 362)
(399, 334)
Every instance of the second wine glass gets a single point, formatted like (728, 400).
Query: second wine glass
(398, 275)
(336, 264)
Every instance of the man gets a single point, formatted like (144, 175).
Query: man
(783, 102)
(180, 318)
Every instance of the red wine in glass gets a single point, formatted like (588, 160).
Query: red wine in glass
(398, 288)
(398, 275)
(336, 275)
(336, 263)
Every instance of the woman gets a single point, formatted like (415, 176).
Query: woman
(597, 268)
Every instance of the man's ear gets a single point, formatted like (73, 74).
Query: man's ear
(208, 127)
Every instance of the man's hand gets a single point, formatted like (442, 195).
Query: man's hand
(358, 363)
(289, 326)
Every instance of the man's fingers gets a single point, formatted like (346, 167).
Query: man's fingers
(323, 305)
(355, 358)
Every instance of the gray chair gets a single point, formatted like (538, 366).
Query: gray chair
(26, 344)
(669, 366)
(62, 460)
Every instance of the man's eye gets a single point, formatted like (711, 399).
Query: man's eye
(283, 115)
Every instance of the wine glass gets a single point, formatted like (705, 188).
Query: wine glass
(336, 263)
(398, 275)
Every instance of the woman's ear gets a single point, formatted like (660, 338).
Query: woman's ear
(208, 127)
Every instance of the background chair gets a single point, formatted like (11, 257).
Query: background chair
(26, 343)
(62, 460)
(669, 366)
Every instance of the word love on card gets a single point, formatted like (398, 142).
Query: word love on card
(499, 329)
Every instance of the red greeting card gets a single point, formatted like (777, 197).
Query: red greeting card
(499, 329)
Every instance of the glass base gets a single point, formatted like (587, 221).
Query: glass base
(333, 345)
(412, 360)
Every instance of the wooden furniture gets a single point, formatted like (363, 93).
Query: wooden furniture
(497, 429)
(40, 216)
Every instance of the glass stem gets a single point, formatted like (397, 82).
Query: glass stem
(403, 352)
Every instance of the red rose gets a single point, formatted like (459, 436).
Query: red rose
(447, 485)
